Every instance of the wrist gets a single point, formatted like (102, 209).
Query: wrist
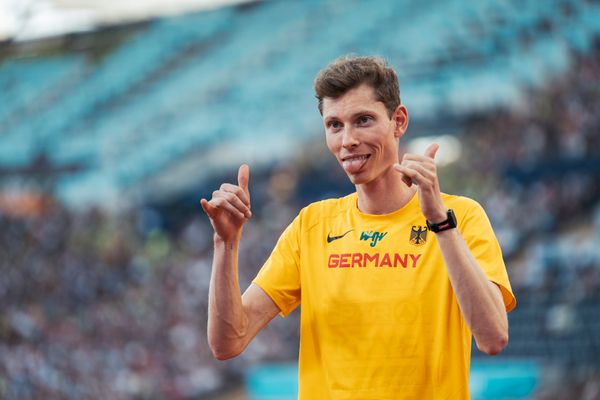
(226, 242)
(448, 223)
(446, 234)
(438, 216)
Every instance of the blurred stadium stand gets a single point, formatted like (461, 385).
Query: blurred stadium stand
(108, 139)
(143, 108)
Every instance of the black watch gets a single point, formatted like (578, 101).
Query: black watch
(449, 223)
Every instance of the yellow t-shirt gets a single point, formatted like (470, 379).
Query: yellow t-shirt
(379, 318)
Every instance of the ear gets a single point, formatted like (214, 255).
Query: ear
(400, 118)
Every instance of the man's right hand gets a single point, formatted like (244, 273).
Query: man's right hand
(229, 207)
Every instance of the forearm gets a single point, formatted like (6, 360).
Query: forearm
(227, 321)
(479, 299)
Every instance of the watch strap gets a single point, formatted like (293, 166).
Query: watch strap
(448, 223)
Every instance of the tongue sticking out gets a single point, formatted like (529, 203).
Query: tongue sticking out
(354, 165)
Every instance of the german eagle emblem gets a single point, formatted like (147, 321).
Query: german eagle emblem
(418, 235)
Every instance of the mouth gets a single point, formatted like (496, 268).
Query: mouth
(354, 163)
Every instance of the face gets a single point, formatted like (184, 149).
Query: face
(361, 135)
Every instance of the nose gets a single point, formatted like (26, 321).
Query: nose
(349, 139)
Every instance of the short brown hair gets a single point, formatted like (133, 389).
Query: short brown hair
(349, 72)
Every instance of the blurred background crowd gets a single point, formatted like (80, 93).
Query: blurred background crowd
(109, 138)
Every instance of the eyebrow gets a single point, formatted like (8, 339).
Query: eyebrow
(352, 116)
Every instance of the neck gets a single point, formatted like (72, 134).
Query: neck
(384, 195)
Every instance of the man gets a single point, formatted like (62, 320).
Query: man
(393, 279)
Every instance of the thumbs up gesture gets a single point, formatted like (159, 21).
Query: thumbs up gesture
(421, 170)
(229, 207)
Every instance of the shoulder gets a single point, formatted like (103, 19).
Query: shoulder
(322, 210)
(460, 203)
(463, 206)
(469, 212)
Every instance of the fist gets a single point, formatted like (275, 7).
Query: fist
(421, 170)
(229, 207)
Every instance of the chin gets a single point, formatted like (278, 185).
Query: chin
(358, 179)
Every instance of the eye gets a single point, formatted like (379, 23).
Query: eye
(364, 119)
(334, 125)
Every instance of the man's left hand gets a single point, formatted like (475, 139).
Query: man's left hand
(422, 171)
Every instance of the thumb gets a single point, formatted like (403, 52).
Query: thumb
(432, 150)
(244, 177)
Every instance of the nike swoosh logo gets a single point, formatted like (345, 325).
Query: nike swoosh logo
(332, 238)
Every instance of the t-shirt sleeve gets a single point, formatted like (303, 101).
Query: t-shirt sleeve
(480, 238)
(279, 277)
